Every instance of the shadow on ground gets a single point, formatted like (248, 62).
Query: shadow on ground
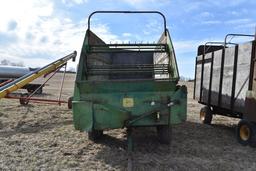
(190, 142)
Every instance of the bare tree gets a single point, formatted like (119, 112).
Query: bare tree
(9, 63)
(5, 62)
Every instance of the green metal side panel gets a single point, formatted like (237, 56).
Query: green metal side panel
(179, 111)
(108, 116)
(83, 115)
(103, 108)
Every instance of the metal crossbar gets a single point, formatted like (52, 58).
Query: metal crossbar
(128, 69)
(128, 48)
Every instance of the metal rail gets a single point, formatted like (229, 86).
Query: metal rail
(216, 43)
(22, 81)
(127, 12)
(128, 69)
(6, 82)
(37, 100)
(226, 37)
(237, 35)
(128, 48)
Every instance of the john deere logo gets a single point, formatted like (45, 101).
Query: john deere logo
(128, 102)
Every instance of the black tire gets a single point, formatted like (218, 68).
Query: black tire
(206, 115)
(30, 90)
(23, 100)
(245, 133)
(252, 142)
(70, 99)
(95, 135)
(164, 134)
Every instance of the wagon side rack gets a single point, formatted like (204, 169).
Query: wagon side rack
(225, 84)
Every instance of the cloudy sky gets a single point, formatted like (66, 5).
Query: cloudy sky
(38, 32)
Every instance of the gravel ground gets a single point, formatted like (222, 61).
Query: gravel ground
(42, 137)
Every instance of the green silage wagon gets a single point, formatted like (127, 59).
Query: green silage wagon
(128, 85)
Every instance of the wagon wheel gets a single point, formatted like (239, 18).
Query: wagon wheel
(246, 133)
(164, 134)
(23, 99)
(30, 90)
(206, 115)
(70, 99)
(253, 136)
(94, 135)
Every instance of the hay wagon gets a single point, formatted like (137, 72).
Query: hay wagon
(128, 85)
(225, 82)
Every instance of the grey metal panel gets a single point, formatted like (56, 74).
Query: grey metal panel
(216, 77)
(227, 77)
(242, 77)
(198, 78)
(243, 72)
(206, 78)
(132, 59)
(97, 58)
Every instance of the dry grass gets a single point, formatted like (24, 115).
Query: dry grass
(42, 137)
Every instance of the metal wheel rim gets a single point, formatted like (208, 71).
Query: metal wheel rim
(202, 116)
(245, 132)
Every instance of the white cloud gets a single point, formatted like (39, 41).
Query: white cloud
(246, 26)
(127, 34)
(40, 35)
(205, 14)
(103, 31)
(185, 46)
(138, 2)
(190, 46)
(23, 12)
(239, 21)
(73, 2)
(147, 4)
(211, 22)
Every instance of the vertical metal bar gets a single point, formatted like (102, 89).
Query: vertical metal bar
(202, 78)
(255, 34)
(234, 79)
(62, 82)
(210, 83)
(221, 76)
(194, 96)
(252, 65)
